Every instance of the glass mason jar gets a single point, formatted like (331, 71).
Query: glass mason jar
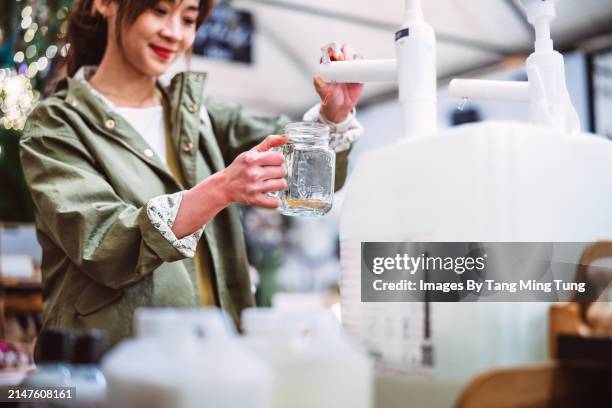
(311, 167)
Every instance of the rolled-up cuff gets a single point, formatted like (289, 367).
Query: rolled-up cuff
(343, 134)
(161, 212)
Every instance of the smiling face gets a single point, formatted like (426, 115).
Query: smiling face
(156, 37)
(160, 35)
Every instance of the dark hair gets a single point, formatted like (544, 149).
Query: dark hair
(87, 29)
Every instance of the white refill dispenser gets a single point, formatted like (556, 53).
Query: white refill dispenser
(414, 69)
(546, 90)
(380, 326)
(489, 182)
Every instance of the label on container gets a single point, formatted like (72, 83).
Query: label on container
(397, 335)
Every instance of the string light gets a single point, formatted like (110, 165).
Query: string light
(30, 51)
(29, 35)
(64, 50)
(19, 57)
(51, 51)
(61, 13)
(26, 22)
(41, 23)
(63, 30)
(26, 12)
(32, 70)
(42, 63)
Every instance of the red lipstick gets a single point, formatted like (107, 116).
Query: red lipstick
(164, 53)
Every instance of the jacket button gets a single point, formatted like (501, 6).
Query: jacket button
(187, 147)
(192, 108)
(148, 152)
(110, 124)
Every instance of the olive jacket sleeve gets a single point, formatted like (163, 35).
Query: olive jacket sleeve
(110, 240)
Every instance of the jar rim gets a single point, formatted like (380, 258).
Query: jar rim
(307, 129)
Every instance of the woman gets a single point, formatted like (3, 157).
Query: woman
(128, 175)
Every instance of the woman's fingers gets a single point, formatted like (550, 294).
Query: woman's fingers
(273, 172)
(345, 53)
(271, 141)
(272, 185)
(319, 83)
(270, 159)
(259, 172)
(265, 201)
(348, 52)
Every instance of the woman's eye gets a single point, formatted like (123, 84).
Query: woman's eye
(160, 11)
(189, 21)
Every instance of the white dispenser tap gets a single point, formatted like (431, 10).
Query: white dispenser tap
(545, 90)
(414, 70)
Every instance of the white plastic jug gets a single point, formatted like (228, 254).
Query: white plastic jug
(487, 182)
(314, 365)
(226, 373)
(185, 359)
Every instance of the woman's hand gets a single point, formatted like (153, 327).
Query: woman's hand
(255, 173)
(247, 180)
(338, 99)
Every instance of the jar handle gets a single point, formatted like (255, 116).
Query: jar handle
(280, 149)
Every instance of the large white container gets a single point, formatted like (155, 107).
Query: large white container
(314, 365)
(495, 181)
(185, 359)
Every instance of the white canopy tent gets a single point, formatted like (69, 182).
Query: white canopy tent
(289, 34)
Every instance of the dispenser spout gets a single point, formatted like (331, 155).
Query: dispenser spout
(360, 71)
(546, 89)
(493, 90)
(414, 70)
(355, 71)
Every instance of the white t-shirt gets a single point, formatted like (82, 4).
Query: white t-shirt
(148, 122)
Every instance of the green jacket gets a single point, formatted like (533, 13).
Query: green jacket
(90, 181)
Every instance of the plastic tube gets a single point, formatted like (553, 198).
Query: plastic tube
(384, 70)
(494, 90)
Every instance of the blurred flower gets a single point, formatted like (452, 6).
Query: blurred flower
(17, 99)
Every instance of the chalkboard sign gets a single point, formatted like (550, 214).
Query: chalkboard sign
(226, 35)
